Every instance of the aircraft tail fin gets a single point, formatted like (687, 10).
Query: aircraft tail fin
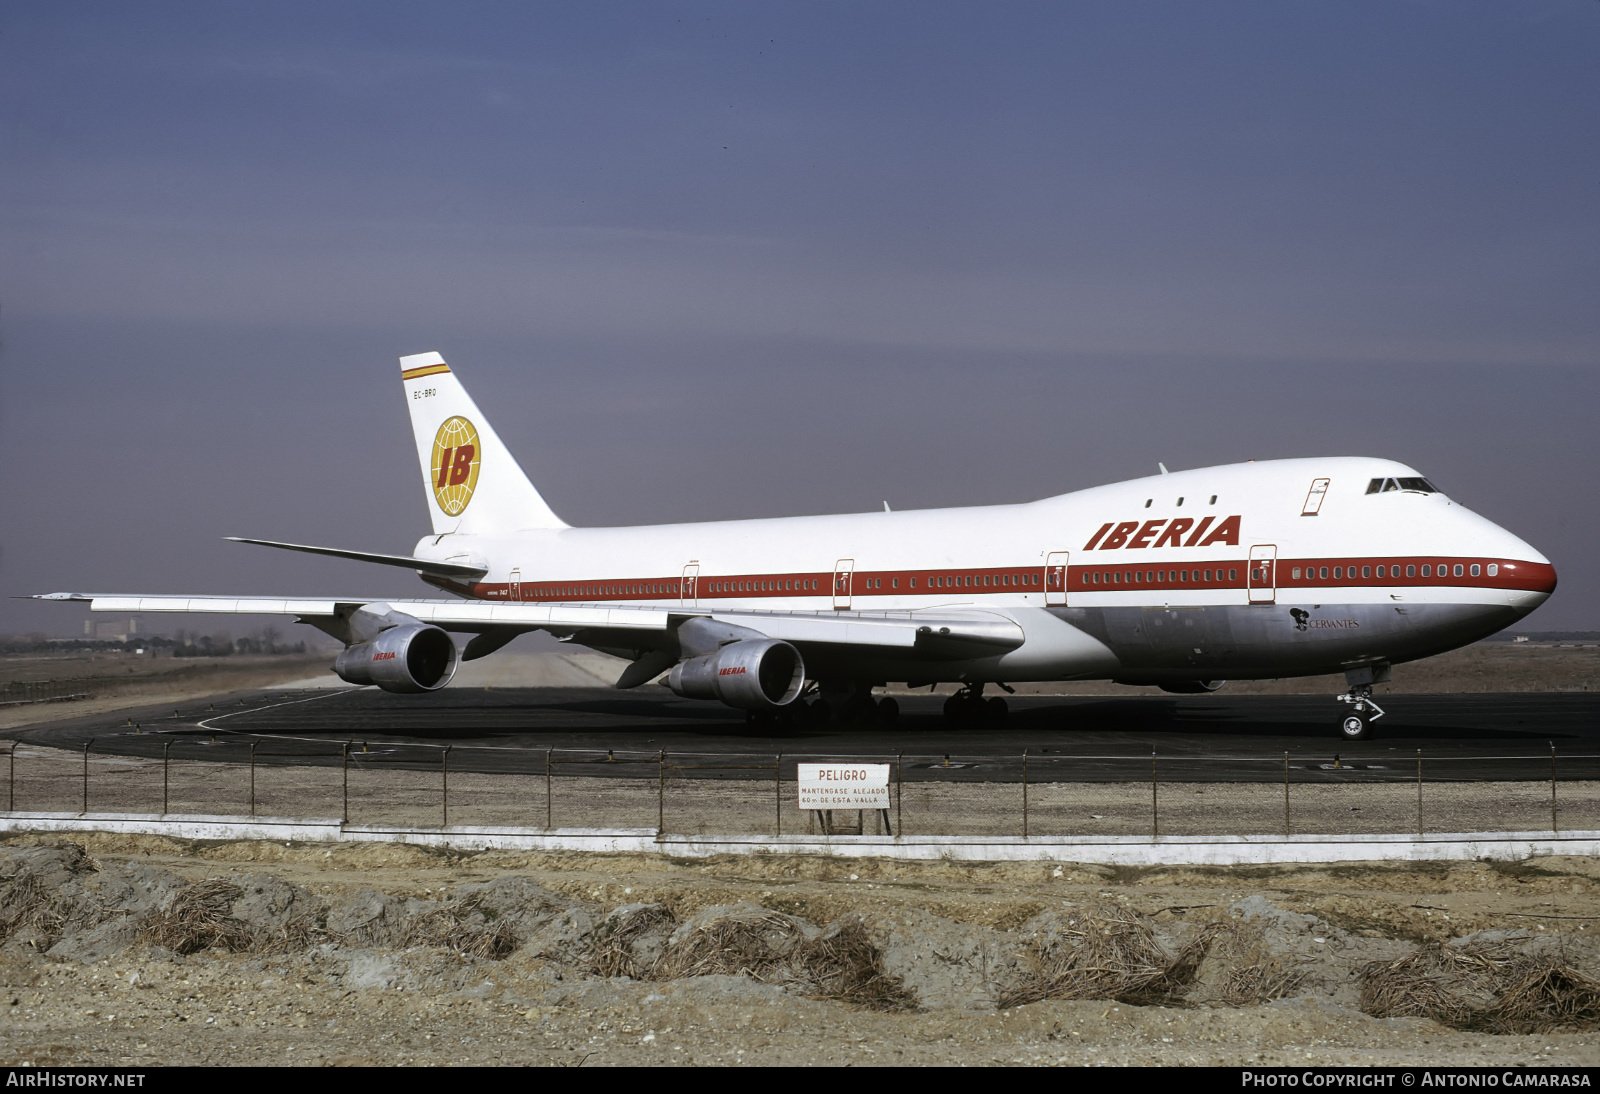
(473, 483)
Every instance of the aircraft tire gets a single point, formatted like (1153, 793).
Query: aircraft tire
(1355, 726)
(995, 710)
(888, 711)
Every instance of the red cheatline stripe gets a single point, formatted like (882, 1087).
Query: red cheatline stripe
(425, 370)
(863, 584)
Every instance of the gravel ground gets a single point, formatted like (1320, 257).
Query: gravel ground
(392, 954)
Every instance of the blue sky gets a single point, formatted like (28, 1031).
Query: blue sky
(706, 260)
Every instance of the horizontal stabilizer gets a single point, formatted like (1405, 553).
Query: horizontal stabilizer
(424, 565)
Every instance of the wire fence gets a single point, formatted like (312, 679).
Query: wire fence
(17, 692)
(742, 794)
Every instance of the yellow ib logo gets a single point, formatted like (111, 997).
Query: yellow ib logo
(455, 465)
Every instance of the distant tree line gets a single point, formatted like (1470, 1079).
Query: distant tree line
(265, 642)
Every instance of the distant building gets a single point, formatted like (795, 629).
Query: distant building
(113, 631)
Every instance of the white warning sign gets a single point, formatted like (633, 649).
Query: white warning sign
(844, 786)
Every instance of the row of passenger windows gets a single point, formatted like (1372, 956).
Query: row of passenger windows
(1321, 573)
(762, 586)
(671, 588)
(951, 581)
(934, 581)
(946, 581)
(660, 588)
(1156, 577)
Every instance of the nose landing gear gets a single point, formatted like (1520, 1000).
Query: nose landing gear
(969, 708)
(1357, 725)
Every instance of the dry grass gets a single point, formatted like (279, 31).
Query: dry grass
(1482, 987)
(842, 963)
(614, 950)
(735, 945)
(197, 918)
(1411, 987)
(1260, 982)
(28, 906)
(1110, 954)
(297, 934)
(465, 927)
(1541, 996)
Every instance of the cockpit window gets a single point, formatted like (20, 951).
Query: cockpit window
(1416, 485)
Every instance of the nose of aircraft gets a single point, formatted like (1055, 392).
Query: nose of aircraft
(1526, 576)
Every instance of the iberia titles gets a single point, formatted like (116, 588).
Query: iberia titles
(1164, 533)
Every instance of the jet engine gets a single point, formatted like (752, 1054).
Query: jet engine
(406, 657)
(1191, 687)
(751, 674)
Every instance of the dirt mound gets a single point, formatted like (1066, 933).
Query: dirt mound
(1106, 953)
(840, 962)
(1490, 985)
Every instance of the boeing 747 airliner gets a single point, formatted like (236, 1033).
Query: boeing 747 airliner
(1257, 570)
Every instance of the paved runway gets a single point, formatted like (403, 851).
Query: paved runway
(1192, 738)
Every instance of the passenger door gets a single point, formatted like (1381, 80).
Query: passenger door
(1263, 578)
(515, 592)
(1055, 579)
(691, 578)
(843, 573)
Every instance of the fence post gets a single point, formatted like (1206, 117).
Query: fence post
(86, 745)
(166, 765)
(1554, 829)
(661, 792)
(549, 795)
(253, 777)
(1286, 828)
(899, 796)
(1024, 793)
(1155, 807)
(345, 765)
(777, 794)
(444, 770)
(1419, 793)
(11, 781)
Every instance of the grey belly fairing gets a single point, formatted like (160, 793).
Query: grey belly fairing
(1240, 642)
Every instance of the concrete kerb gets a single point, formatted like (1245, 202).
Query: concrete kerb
(1102, 850)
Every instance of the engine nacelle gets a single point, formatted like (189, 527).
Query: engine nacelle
(1191, 687)
(406, 658)
(751, 674)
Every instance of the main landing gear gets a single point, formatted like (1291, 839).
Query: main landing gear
(846, 704)
(968, 708)
(1357, 725)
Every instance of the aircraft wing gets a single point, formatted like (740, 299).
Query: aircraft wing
(934, 635)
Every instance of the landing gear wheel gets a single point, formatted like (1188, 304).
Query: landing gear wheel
(818, 713)
(996, 710)
(888, 711)
(1355, 727)
(967, 708)
(759, 719)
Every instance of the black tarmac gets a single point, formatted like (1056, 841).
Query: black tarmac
(1246, 738)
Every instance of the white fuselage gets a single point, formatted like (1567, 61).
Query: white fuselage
(1275, 568)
